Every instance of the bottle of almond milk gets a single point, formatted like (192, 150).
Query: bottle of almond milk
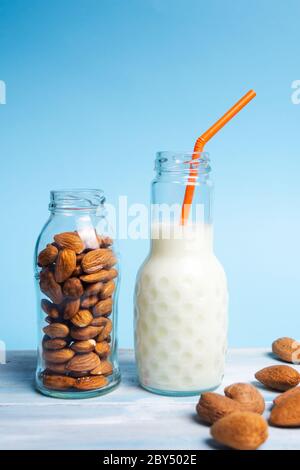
(181, 296)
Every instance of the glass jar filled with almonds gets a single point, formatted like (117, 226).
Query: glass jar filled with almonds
(76, 272)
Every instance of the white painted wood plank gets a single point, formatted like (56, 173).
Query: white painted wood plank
(127, 418)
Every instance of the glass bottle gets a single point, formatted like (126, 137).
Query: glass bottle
(76, 276)
(181, 290)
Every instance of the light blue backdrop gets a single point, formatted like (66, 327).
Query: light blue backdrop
(95, 88)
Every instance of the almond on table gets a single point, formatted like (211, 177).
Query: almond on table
(279, 378)
(286, 412)
(247, 395)
(284, 395)
(242, 430)
(213, 406)
(287, 349)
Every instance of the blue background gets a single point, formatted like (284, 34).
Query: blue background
(95, 88)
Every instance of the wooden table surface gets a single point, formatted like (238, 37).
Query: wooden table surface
(127, 418)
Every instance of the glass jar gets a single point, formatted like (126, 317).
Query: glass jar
(181, 290)
(76, 275)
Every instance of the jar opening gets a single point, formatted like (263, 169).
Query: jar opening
(76, 199)
(182, 162)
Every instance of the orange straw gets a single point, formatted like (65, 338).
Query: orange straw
(199, 146)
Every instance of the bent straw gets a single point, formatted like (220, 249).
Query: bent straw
(199, 146)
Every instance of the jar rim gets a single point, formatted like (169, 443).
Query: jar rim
(181, 161)
(76, 199)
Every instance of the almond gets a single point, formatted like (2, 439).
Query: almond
(83, 373)
(242, 430)
(49, 320)
(56, 330)
(69, 240)
(57, 343)
(83, 362)
(56, 368)
(91, 383)
(77, 271)
(89, 302)
(287, 349)
(58, 382)
(83, 334)
(47, 256)
(96, 260)
(50, 287)
(65, 264)
(247, 395)
(107, 290)
(79, 258)
(104, 307)
(102, 349)
(82, 318)
(71, 308)
(50, 309)
(84, 346)
(287, 412)
(104, 241)
(280, 378)
(98, 321)
(58, 357)
(102, 276)
(213, 406)
(73, 288)
(104, 368)
(93, 289)
(105, 329)
(284, 395)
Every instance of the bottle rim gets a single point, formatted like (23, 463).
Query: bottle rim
(76, 199)
(182, 161)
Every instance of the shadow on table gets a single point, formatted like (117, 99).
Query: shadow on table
(271, 355)
(195, 418)
(128, 373)
(214, 445)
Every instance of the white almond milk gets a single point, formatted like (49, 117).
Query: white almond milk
(181, 313)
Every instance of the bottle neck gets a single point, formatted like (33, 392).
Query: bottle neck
(176, 175)
(75, 202)
(175, 240)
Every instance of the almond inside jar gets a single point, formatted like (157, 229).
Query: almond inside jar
(79, 285)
